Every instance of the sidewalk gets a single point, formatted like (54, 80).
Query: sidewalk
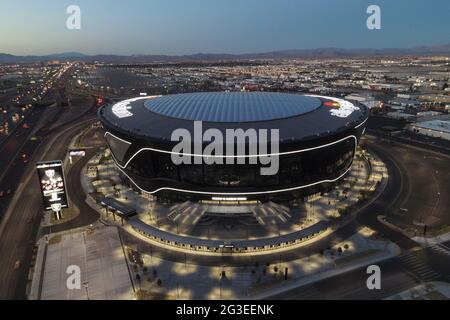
(426, 291)
(96, 251)
(392, 251)
(436, 240)
(38, 272)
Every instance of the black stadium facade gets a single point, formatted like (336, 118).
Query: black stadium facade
(318, 137)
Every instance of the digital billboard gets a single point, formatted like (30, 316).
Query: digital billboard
(77, 153)
(52, 183)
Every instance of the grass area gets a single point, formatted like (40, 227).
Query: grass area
(68, 214)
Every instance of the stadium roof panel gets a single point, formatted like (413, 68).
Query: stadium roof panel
(233, 106)
(297, 117)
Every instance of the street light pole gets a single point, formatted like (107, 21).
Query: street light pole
(220, 282)
(86, 286)
(86, 282)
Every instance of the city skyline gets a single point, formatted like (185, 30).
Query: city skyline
(172, 28)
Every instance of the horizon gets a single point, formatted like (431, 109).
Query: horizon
(222, 53)
(174, 28)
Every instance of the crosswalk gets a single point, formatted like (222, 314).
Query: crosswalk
(415, 267)
(441, 248)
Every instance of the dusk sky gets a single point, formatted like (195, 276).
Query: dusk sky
(179, 27)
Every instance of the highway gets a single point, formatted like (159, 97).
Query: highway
(17, 144)
(20, 224)
(17, 147)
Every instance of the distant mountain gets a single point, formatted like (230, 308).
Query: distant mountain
(282, 54)
(9, 58)
(67, 55)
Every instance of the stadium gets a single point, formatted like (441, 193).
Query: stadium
(317, 140)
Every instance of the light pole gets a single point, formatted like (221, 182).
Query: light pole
(86, 287)
(86, 282)
(220, 287)
(222, 274)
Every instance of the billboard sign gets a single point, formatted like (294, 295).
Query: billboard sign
(77, 153)
(52, 183)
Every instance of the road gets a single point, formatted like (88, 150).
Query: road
(77, 197)
(422, 178)
(17, 147)
(413, 185)
(18, 143)
(397, 274)
(19, 229)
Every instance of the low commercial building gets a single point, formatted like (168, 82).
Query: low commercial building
(365, 99)
(433, 128)
(401, 115)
